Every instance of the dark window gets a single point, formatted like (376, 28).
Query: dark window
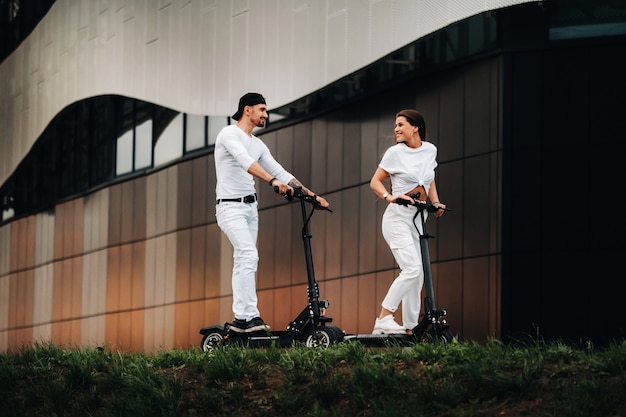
(91, 142)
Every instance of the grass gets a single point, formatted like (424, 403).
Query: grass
(347, 379)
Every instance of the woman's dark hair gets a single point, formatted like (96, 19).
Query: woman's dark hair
(415, 118)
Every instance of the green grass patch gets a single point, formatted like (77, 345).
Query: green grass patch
(459, 379)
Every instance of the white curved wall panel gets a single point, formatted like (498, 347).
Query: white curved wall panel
(200, 56)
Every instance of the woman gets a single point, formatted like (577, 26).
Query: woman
(410, 164)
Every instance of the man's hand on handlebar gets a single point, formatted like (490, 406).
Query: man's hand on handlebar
(282, 188)
(319, 203)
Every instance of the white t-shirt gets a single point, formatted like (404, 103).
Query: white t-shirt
(410, 167)
(234, 152)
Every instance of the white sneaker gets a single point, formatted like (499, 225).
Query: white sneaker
(387, 325)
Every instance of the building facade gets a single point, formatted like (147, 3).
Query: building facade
(108, 235)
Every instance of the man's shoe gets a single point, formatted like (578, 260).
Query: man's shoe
(254, 325)
(238, 325)
(387, 325)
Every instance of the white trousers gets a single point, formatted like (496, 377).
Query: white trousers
(240, 223)
(403, 239)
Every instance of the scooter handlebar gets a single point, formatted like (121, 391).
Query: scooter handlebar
(297, 193)
(420, 204)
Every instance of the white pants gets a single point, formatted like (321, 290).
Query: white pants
(404, 241)
(240, 223)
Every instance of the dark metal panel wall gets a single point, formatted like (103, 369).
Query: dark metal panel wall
(564, 129)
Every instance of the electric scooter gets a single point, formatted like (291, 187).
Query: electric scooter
(433, 326)
(310, 327)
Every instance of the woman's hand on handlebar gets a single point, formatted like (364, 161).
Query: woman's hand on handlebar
(441, 207)
(401, 199)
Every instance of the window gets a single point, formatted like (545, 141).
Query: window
(93, 141)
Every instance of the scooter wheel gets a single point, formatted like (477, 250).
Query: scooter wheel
(324, 337)
(439, 335)
(211, 340)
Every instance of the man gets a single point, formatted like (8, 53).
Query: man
(239, 157)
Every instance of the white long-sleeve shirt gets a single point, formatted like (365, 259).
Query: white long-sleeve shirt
(234, 152)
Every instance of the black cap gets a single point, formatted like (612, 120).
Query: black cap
(248, 99)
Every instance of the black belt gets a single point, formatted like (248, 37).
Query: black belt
(247, 199)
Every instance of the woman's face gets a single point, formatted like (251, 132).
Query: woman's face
(403, 130)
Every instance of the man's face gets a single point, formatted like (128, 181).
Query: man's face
(258, 114)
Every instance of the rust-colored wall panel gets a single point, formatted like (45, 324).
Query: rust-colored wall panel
(125, 277)
(266, 244)
(334, 155)
(298, 273)
(185, 195)
(78, 225)
(194, 324)
(127, 204)
(124, 330)
(211, 316)
(319, 157)
(137, 319)
(113, 294)
(57, 300)
(211, 189)
(350, 235)
(197, 274)
(20, 255)
(283, 245)
(67, 299)
(30, 236)
(283, 151)
(137, 296)
(183, 286)
(349, 303)
(333, 240)
(181, 332)
(139, 210)
(138, 275)
(367, 306)
(212, 271)
(200, 204)
(331, 290)
(383, 282)
(351, 143)
(448, 281)
(58, 231)
(278, 307)
(183, 268)
(298, 300)
(76, 296)
(302, 148)
(367, 231)
(21, 308)
(115, 214)
(68, 228)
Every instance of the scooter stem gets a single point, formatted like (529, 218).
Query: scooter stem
(313, 290)
(428, 274)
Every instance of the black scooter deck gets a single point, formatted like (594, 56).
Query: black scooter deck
(260, 338)
(381, 340)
